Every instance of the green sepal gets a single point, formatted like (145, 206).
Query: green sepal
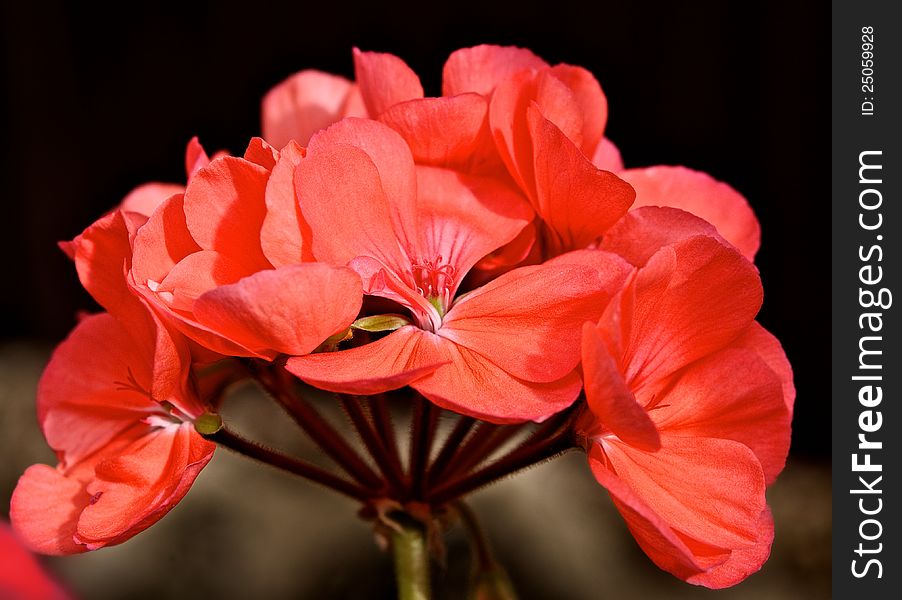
(208, 424)
(377, 323)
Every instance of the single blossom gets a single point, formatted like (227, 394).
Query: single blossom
(506, 351)
(126, 455)
(689, 402)
(227, 264)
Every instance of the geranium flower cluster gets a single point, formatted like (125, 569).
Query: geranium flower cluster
(483, 253)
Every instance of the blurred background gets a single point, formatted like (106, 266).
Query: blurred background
(97, 100)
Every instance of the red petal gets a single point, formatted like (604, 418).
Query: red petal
(386, 364)
(145, 199)
(284, 229)
(690, 504)
(730, 394)
(303, 104)
(742, 561)
(195, 158)
(197, 274)
(342, 199)
(384, 80)
(701, 195)
(162, 242)
(446, 132)
(768, 348)
(481, 68)
(607, 156)
(462, 218)
(134, 490)
(96, 385)
(591, 100)
(394, 164)
(577, 202)
(475, 385)
(644, 231)
(692, 298)
(44, 510)
(260, 152)
(611, 401)
(225, 208)
(529, 319)
(291, 310)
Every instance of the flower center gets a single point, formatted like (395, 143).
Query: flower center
(435, 281)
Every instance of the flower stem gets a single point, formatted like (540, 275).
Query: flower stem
(233, 441)
(411, 558)
(374, 444)
(525, 456)
(279, 384)
(450, 447)
(422, 432)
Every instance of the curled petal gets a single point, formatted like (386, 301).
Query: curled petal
(225, 207)
(145, 199)
(577, 202)
(284, 231)
(760, 341)
(610, 400)
(304, 103)
(701, 195)
(694, 506)
(591, 101)
(643, 231)
(384, 81)
(529, 319)
(480, 68)
(691, 299)
(44, 510)
(291, 310)
(132, 491)
(389, 363)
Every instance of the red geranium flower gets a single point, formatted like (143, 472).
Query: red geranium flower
(689, 404)
(503, 352)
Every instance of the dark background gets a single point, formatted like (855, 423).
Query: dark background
(97, 100)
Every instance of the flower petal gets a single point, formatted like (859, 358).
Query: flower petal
(691, 504)
(446, 132)
(480, 68)
(384, 80)
(394, 165)
(607, 156)
(592, 103)
(757, 339)
(284, 229)
(577, 201)
(291, 310)
(145, 199)
(691, 299)
(529, 319)
(225, 207)
(473, 384)
(387, 364)
(44, 510)
(22, 577)
(136, 489)
(610, 400)
(701, 195)
(730, 394)
(303, 104)
(643, 231)
(462, 218)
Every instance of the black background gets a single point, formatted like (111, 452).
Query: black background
(96, 100)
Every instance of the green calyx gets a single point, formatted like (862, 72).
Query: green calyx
(208, 424)
(378, 323)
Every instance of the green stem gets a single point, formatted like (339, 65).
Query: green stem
(411, 557)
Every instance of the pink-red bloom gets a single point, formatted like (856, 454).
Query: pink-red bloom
(689, 403)
(226, 264)
(506, 351)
